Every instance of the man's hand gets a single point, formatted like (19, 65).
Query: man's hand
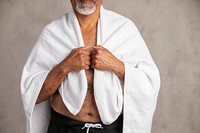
(103, 59)
(78, 59)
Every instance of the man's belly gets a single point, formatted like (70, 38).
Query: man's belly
(88, 112)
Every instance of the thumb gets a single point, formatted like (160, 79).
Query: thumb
(88, 48)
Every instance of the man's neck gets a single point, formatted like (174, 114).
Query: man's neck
(88, 21)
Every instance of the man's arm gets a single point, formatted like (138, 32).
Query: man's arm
(52, 82)
(77, 60)
(119, 70)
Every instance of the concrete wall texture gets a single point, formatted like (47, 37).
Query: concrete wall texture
(171, 29)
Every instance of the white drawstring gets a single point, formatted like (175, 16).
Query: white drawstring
(90, 125)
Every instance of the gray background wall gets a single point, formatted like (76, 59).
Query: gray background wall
(171, 28)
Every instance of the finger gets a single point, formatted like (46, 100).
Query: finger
(97, 51)
(94, 49)
(87, 58)
(87, 48)
(87, 63)
(83, 49)
(86, 67)
(94, 62)
(99, 47)
(87, 51)
(84, 52)
(102, 48)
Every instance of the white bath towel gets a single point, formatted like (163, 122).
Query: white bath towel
(137, 96)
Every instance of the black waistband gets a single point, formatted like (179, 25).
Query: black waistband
(66, 121)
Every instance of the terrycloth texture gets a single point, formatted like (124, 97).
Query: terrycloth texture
(138, 95)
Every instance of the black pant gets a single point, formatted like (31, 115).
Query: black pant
(62, 124)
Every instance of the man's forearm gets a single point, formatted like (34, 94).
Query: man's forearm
(77, 60)
(52, 82)
(120, 70)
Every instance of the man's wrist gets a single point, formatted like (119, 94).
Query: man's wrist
(120, 70)
(63, 68)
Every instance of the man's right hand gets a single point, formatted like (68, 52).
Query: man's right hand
(78, 59)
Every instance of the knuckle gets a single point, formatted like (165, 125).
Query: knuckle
(82, 61)
(87, 67)
(97, 57)
(81, 57)
(87, 57)
(95, 62)
(97, 52)
(79, 51)
(82, 64)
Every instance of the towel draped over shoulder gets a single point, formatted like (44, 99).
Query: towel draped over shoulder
(137, 97)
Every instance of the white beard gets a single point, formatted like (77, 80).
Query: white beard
(85, 9)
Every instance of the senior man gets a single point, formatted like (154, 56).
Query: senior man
(90, 71)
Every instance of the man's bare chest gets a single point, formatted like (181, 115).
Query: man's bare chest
(89, 38)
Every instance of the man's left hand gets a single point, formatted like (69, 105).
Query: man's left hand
(103, 59)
